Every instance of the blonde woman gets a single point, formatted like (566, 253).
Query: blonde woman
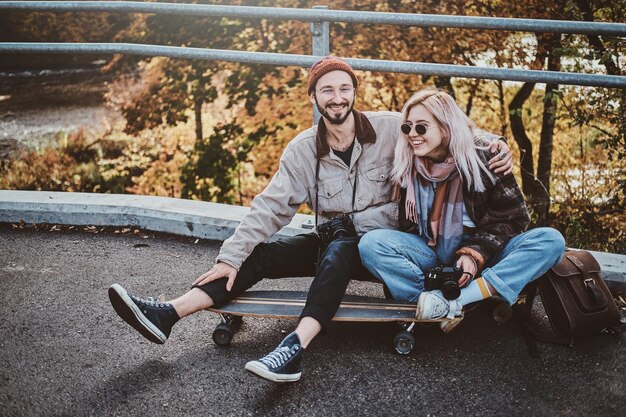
(455, 213)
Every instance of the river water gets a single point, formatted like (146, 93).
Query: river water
(35, 106)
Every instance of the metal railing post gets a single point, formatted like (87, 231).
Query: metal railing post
(320, 33)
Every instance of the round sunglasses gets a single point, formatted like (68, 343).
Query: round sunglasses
(420, 129)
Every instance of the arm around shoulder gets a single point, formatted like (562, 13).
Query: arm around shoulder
(502, 216)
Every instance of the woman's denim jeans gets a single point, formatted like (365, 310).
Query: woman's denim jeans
(400, 260)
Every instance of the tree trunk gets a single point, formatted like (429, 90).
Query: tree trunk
(520, 136)
(596, 42)
(531, 186)
(470, 100)
(197, 109)
(612, 69)
(504, 125)
(445, 84)
(544, 165)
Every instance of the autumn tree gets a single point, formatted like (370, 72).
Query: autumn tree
(245, 114)
(185, 85)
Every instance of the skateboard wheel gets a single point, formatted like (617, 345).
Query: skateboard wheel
(404, 343)
(502, 312)
(223, 334)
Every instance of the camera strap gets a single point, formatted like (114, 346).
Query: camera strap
(317, 173)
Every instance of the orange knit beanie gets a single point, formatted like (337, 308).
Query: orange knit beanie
(328, 64)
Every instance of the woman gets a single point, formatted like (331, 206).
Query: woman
(456, 213)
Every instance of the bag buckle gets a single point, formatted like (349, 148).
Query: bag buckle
(588, 282)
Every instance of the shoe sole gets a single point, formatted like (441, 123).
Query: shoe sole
(448, 326)
(131, 314)
(259, 370)
(418, 309)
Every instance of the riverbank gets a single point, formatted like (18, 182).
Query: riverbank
(37, 105)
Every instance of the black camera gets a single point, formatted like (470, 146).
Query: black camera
(335, 228)
(446, 279)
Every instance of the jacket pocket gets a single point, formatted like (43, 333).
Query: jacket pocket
(330, 200)
(379, 174)
(377, 187)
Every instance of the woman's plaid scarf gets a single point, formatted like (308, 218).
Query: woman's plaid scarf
(438, 214)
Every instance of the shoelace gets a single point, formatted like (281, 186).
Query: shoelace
(441, 309)
(444, 308)
(279, 356)
(151, 301)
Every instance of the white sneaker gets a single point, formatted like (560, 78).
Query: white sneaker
(433, 305)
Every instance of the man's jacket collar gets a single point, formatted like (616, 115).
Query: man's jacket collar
(364, 133)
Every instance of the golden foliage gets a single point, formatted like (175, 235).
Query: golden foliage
(249, 113)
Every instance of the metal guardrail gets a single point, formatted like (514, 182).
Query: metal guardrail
(445, 70)
(320, 17)
(325, 15)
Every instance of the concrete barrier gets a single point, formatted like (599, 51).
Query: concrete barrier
(160, 214)
(177, 216)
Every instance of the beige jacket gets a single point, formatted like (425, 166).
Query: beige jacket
(294, 184)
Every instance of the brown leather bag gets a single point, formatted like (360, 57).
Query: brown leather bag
(576, 299)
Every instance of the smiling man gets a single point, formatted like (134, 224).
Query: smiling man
(340, 169)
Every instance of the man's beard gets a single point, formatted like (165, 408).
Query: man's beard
(334, 120)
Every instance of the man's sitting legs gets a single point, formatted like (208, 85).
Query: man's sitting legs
(337, 264)
(153, 318)
(290, 257)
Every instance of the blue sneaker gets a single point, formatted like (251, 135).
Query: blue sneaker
(152, 318)
(282, 364)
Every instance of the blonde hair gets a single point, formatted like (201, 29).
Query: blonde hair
(458, 131)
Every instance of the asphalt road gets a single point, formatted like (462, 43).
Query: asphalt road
(64, 352)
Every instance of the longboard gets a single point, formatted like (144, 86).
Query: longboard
(289, 305)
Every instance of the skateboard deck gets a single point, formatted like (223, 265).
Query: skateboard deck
(289, 305)
(357, 308)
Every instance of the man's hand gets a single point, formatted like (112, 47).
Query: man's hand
(467, 264)
(219, 270)
(503, 161)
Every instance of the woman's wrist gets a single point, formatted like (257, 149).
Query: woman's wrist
(473, 261)
(476, 256)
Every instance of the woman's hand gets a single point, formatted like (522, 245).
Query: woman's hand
(219, 270)
(503, 161)
(467, 264)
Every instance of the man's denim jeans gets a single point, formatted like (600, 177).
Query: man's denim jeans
(400, 260)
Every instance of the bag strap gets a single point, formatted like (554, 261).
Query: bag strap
(590, 283)
(521, 313)
(523, 317)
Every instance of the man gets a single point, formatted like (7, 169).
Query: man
(341, 166)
